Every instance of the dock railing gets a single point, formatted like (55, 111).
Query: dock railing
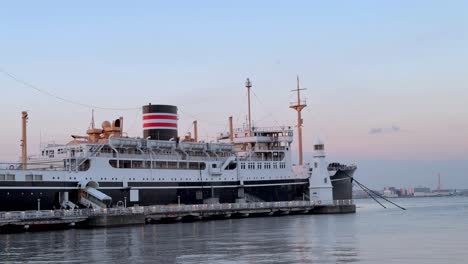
(159, 209)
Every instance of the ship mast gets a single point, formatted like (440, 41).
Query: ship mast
(248, 85)
(298, 106)
(24, 143)
(195, 131)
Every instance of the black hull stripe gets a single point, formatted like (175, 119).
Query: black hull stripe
(149, 187)
(144, 184)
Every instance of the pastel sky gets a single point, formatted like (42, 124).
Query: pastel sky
(386, 80)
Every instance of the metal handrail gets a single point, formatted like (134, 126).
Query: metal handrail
(195, 208)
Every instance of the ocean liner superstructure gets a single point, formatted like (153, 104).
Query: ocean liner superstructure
(106, 168)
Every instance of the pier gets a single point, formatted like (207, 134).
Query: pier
(107, 217)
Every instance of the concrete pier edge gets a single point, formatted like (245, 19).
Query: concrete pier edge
(92, 218)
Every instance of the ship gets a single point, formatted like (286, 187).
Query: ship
(107, 168)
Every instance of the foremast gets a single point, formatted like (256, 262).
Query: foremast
(298, 106)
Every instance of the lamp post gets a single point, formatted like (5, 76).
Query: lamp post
(38, 204)
(178, 200)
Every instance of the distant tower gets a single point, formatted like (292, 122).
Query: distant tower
(320, 187)
(298, 106)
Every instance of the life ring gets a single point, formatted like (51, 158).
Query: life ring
(319, 202)
(12, 167)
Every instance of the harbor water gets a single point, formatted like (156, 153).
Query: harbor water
(431, 230)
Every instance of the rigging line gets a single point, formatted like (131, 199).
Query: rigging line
(34, 87)
(134, 122)
(402, 208)
(362, 185)
(200, 119)
(264, 107)
(239, 115)
(187, 130)
(370, 195)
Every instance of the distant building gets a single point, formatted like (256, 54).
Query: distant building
(390, 192)
(422, 191)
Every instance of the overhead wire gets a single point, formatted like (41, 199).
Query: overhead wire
(265, 108)
(60, 98)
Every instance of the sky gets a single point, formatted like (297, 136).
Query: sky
(386, 80)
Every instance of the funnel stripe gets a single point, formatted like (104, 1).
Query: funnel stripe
(151, 125)
(170, 117)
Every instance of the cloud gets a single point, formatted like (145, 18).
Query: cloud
(384, 130)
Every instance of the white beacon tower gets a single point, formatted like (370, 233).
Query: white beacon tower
(320, 187)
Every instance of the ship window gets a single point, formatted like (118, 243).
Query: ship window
(315, 164)
(29, 177)
(125, 164)
(85, 165)
(113, 163)
(183, 165)
(318, 147)
(10, 177)
(2, 177)
(275, 165)
(136, 164)
(213, 166)
(324, 180)
(259, 166)
(172, 165)
(243, 166)
(160, 164)
(231, 166)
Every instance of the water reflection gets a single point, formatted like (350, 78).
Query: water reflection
(289, 239)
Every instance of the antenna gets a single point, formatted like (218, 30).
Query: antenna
(298, 106)
(92, 119)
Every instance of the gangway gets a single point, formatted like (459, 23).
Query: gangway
(92, 198)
